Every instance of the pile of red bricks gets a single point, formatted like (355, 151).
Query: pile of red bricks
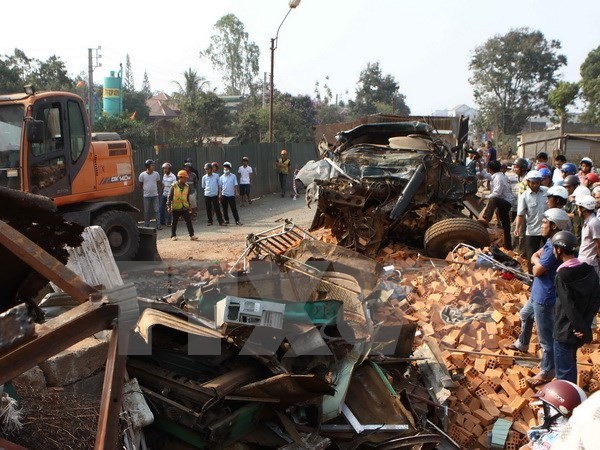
(492, 384)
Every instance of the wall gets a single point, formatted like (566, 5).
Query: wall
(262, 160)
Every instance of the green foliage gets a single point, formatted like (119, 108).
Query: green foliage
(17, 70)
(376, 90)
(146, 90)
(561, 97)
(511, 77)
(138, 133)
(590, 87)
(233, 55)
(135, 102)
(128, 83)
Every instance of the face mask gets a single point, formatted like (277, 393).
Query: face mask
(225, 170)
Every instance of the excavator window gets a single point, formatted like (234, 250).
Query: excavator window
(77, 130)
(47, 163)
(11, 122)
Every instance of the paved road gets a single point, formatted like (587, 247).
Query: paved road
(228, 242)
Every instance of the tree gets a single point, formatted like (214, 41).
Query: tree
(140, 134)
(146, 86)
(51, 75)
(590, 87)
(128, 84)
(560, 98)
(511, 77)
(233, 55)
(375, 90)
(135, 103)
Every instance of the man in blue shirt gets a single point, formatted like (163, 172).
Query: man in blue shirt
(229, 191)
(210, 184)
(540, 306)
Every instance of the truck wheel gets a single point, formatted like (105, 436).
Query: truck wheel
(443, 236)
(122, 233)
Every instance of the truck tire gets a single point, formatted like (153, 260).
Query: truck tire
(443, 236)
(122, 233)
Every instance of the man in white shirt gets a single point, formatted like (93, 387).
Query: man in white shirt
(168, 179)
(589, 249)
(500, 198)
(229, 190)
(149, 182)
(210, 184)
(245, 172)
(531, 206)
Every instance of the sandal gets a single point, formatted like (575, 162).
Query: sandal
(535, 382)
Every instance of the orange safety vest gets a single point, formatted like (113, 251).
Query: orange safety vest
(180, 197)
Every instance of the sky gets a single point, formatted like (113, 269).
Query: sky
(425, 45)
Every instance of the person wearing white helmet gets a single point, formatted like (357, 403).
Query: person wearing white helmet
(168, 179)
(540, 306)
(589, 249)
(585, 167)
(229, 191)
(578, 299)
(557, 197)
(530, 212)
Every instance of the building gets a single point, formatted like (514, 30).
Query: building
(575, 142)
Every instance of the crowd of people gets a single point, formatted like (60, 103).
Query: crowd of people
(169, 197)
(548, 215)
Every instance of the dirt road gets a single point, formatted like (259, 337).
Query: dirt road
(228, 242)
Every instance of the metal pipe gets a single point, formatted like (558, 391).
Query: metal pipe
(408, 192)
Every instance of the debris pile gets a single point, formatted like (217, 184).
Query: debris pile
(474, 315)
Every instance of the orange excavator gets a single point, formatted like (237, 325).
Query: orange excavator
(47, 148)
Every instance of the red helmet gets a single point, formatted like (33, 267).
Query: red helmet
(593, 177)
(215, 164)
(562, 395)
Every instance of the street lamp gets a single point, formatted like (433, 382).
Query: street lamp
(292, 4)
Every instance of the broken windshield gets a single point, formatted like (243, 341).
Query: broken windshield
(380, 162)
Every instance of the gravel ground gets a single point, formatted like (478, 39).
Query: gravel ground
(228, 242)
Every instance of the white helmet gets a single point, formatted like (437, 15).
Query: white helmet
(534, 175)
(586, 201)
(559, 217)
(558, 191)
(227, 164)
(581, 190)
(587, 160)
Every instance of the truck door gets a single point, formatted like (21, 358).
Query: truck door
(54, 162)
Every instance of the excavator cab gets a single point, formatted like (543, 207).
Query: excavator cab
(46, 148)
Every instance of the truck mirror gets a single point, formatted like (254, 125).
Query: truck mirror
(35, 131)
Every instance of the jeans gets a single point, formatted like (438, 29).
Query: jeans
(177, 213)
(151, 210)
(229, 201)
(282, 182)
(565, 361)
(165, 217)
(526, 315)
(544, 321)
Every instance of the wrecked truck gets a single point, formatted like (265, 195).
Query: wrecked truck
(396, 182)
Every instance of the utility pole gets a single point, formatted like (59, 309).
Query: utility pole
(264, 90)
(91, 66)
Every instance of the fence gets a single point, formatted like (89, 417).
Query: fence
(262, 160)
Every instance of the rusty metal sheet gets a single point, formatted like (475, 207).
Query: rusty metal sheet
(110, 402)
(287, 388)
(44, 263)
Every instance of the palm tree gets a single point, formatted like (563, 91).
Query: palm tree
(193, 84)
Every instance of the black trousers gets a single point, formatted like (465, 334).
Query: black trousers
(188, 221)
(532, 244)
(213, 203)
(282, 182)
(503, 207)
(229, 201)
